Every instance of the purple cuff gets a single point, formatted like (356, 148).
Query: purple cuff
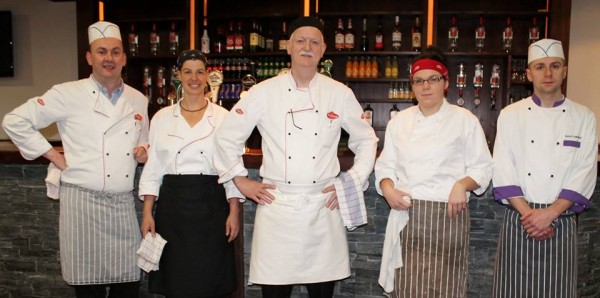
(505, 192)
(579, 202)
(569, 143)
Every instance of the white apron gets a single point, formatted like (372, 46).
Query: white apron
(297, 240)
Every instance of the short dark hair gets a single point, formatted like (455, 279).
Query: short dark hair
(190, 55)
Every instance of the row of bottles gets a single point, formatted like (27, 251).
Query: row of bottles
(369, 113)
(237, 40)
(345, 39)
(400, 90)
(162, 98)
(261, 68)
(368, 68)
(153, 41)
(480, 35)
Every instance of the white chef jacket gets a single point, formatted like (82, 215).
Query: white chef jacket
(300, 129)
(98, 137)
(178, 149)
(543, 154)
(425, 156)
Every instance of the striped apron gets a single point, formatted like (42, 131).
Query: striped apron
(197, 260)
(435, 252)
(99, 236)
(526, 267)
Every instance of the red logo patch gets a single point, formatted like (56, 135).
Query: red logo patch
(332, 115)
(138, 117)
(41, 101)
(362, 116)
(239, 111)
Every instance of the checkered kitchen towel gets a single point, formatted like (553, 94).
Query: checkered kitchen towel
(351, 199)
(150, 251)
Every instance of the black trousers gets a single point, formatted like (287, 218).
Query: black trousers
(119, 290)
(316, 290)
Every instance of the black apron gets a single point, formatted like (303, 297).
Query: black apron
(197, 260)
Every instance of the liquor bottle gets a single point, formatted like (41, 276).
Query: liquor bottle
(534, 31)
(349, 67)
(379, 37)
(230, 44)
(147, 83)
(480, 36)
(355, 67)
(269, 42)
(154, 41)
(174, 93)
(396, 35)
(368, 112)
(453, 36)
(239, 41)
(283, 39)
(394, 71)
(173, 41)
(388, 67)
(507, 36)
(160, 85)
(368, 66)
(220, 42)
(253, 38)
(349, 37)
(339, 36)
(133, 42)
(205, 41)
(361, 68)
(416, 35)
(374, 68)
(364, 38)
(261, 38)
(393, 111)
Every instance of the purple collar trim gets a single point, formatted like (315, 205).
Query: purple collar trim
(538, 101)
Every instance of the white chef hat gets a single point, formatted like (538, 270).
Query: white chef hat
(102, 29)
(545, 48)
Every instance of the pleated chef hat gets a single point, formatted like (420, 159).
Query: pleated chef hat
(545, 48)
(102, 29)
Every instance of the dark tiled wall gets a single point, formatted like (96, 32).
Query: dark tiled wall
(30, 267)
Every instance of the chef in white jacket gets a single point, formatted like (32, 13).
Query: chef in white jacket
(103, 125)
(545, 158)
(299, 237)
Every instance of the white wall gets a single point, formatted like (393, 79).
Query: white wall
(45, 51)
(583, 83)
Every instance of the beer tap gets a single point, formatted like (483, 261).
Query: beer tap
(478, 83)
(215, 79)
(461, 83)
(494, 85)
(176, 91)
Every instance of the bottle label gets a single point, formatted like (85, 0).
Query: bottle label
(453, 33)
(369, 117)
(154, 38)
(133, 38)
(339, 41)
(238, 42)
(283, 45)
(534, 33)
(396, 37)
(349, 41)
(253, 39)
(173, 37)
(416, 40)
(230, 43)
(480, 33)
(507, 34)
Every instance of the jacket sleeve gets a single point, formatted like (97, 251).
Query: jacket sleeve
(478, 160)
(22, 123)
(154, 169)
(505, 177)
(385, 166)
(362, 141)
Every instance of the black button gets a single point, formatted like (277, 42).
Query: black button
(290, 90)
(528, 174)
(529, 108)
(289, 133)
(201, 152)
(127, 154)
(289, 157)
(314, 181)
(126, 132)
(564, 111)
(126, 175)
(289, 182)
(107, 154)
(551, 176)
(531, 141)
(557, 143)
(107, 175)
(315, 133)
(316, 111)
(94, 92)
(178, 152)
(313, 157)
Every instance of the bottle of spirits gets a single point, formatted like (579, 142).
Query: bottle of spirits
(393, 111)
(361, 68)
(205, 41)
(394, 71)
(396, 35)
(220, 41)
(374, 68)
(239, 39)
(147, 83)
(368, 112)
(133, 42)
(379, 37)
(254, 39)
(480, 36)
(339, 36)
(416, 35)
(173, 95)
(283, 39)
(230, 44)
(349, 37)
(160, 85)
(368, 66)
(507, 36)
(349, 68)
(388, 67)
(364, 38)
(534, 31)
(355, 67)
(173, 41)
(154, 41)
(269, 42)
(453, 36)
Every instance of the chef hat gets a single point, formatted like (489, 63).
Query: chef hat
(545, 48)
(306, 21)
(102, 29)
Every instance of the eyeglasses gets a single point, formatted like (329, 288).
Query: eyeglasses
(431, 80)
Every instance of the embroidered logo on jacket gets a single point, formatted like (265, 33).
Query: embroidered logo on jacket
(239, 111)
(332, 115)
(138, 117)
(41, 101)
(362, 116)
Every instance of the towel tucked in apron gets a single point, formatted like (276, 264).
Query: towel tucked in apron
(297, 240)
(99, 235)
(435, 252)
(197, 260)
(526, 267)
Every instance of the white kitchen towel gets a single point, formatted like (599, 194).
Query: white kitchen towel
(53, 182)
(150, 251)
(391, 259)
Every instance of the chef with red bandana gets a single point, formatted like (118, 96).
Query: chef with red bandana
(103, 125)
(299, 236)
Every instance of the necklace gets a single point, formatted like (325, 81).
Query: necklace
(192, 111)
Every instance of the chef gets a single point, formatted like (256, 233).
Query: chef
(299, 237)
(103, 125)
(545, 158)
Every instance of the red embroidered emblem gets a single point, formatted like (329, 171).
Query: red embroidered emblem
(138, 117)
(41, 101)
(362, 116)
(239, 111)
(332, 115)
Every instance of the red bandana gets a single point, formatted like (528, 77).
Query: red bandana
(428, 64)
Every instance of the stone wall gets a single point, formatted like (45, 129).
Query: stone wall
(30, 266)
